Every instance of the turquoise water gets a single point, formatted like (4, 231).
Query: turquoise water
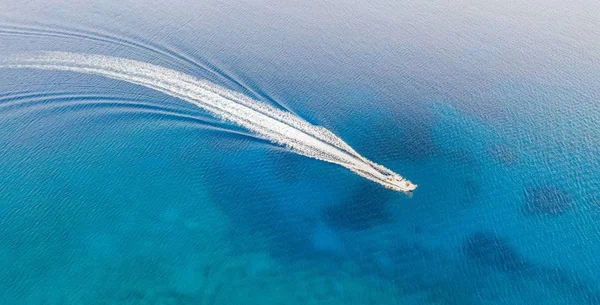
(112, 193)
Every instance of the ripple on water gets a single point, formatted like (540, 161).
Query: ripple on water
(504, 154)
(108, 107)
(547, 200)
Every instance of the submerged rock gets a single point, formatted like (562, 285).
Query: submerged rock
(487, 249)
(547, 200)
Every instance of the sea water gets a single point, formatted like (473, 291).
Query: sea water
(112, 193)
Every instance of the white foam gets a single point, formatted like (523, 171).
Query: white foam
(280, 127)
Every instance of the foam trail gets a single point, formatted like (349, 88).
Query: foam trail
(280, 127)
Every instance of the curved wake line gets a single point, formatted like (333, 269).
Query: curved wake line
(280, 127)
(141, 44)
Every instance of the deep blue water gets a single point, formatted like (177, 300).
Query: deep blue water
(111, 193)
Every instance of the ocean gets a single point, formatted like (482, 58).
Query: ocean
(115, 193)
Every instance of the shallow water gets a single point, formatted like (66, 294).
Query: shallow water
(116, 194)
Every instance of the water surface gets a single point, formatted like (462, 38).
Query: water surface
(112, 193)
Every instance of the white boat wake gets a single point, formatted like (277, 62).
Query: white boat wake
(280, 127)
